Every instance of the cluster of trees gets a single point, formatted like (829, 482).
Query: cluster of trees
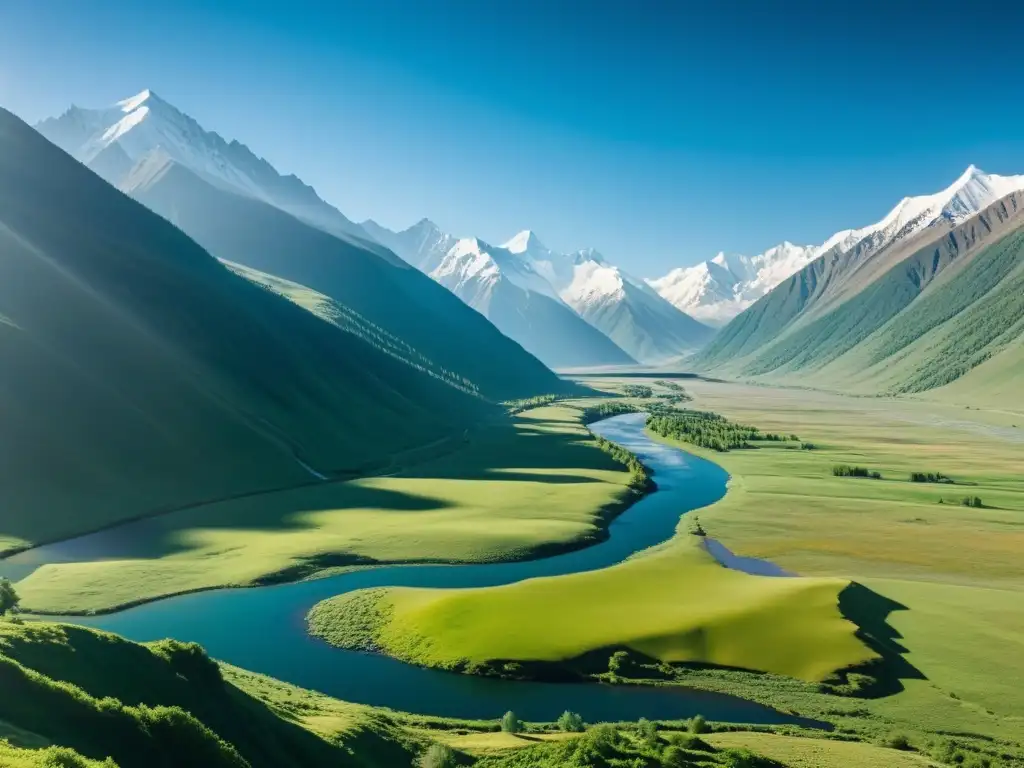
(517, 406)
(845, 470)
(642, 744)
(8, 597)
(702, 428)
(638, 390)
(606, 410)
(972, 501)
(639, 476)
(929, 477)
(671, 386)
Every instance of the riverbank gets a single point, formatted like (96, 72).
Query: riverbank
(534, 487)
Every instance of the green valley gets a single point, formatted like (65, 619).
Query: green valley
(287, 482)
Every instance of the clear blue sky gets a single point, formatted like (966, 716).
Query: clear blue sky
(656, 131)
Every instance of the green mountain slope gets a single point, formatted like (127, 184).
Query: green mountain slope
(368, 280)
(348, 320)
(137, 373)
(932, 317)
(162, 705)
(999, 381)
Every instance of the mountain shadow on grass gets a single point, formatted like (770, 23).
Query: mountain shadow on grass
(883, 676)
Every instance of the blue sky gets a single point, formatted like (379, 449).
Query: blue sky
(659, 132)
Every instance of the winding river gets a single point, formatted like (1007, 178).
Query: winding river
(263, 629)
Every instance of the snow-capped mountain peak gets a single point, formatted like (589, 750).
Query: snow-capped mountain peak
(525, 242)
(717, 290)
(114, 139)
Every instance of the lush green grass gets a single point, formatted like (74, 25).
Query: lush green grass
(48, 757)
(167, 704)
(674, 604)
(349, 320)
(955, 573)
(797, 752)
(513, 490)
(146, 375)
(947, 578)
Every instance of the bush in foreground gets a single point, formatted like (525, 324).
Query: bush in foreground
(510, 723)
(437, 756)
(570, 722)
(699, 725)
(8, 597)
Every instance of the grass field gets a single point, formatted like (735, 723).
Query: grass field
(950, 575)
(799, 752)
(675, 604)
(512, 490)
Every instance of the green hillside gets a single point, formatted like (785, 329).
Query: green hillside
(338, 314)
(370, 281)
(930, 319)
(69, 690)
(138, 374)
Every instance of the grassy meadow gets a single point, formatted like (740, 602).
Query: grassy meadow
(510, 490)
(943, 579)
(675, 604)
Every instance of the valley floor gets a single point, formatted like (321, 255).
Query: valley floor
(945, 578)
(537, 485)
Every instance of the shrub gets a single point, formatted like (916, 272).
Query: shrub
(971, 501)
(647, 731)
(510, 723)
(690, 742)
(699, 725)
(808, 447)
(570, 722)
(437, 756)
(674, 757)
(742, 758)
(8, 597)
(189, 660)
(897, 741)
(617, 662)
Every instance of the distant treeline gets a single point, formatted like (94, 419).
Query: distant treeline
(639, 476)
(638, 390)
(845, 470)
(525, 404)
(702, 428)
(929, 477)
(606, 410)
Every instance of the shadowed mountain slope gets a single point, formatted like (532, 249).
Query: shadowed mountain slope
(138, 373)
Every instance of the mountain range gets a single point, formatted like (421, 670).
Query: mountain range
(138, 373)
(237, 207)
(717, 290)
(931, 294)
(571, 310)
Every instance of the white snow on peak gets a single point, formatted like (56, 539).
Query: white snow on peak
(524, 242)
(972, 192)
(717, 290)
(471, 259)
(136, 101)
(145, 123)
